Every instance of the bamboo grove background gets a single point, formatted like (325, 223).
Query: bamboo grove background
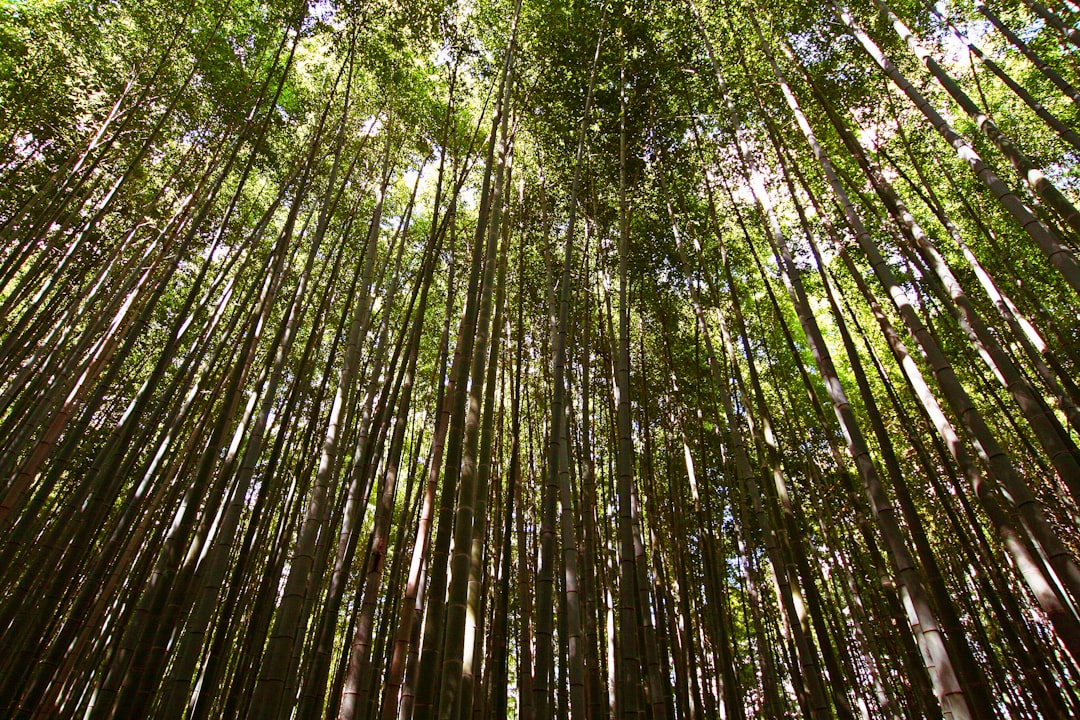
(571, 359)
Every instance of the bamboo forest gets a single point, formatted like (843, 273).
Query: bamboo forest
(534, 359)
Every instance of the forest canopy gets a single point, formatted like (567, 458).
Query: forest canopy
(413, 359)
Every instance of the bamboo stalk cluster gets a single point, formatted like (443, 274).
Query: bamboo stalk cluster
(637, 380)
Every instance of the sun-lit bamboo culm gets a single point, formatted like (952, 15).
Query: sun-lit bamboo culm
(587, 359)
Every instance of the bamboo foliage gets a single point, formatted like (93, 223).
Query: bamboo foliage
(435, 359)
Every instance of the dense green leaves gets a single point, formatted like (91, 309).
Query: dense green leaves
(818, 459)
